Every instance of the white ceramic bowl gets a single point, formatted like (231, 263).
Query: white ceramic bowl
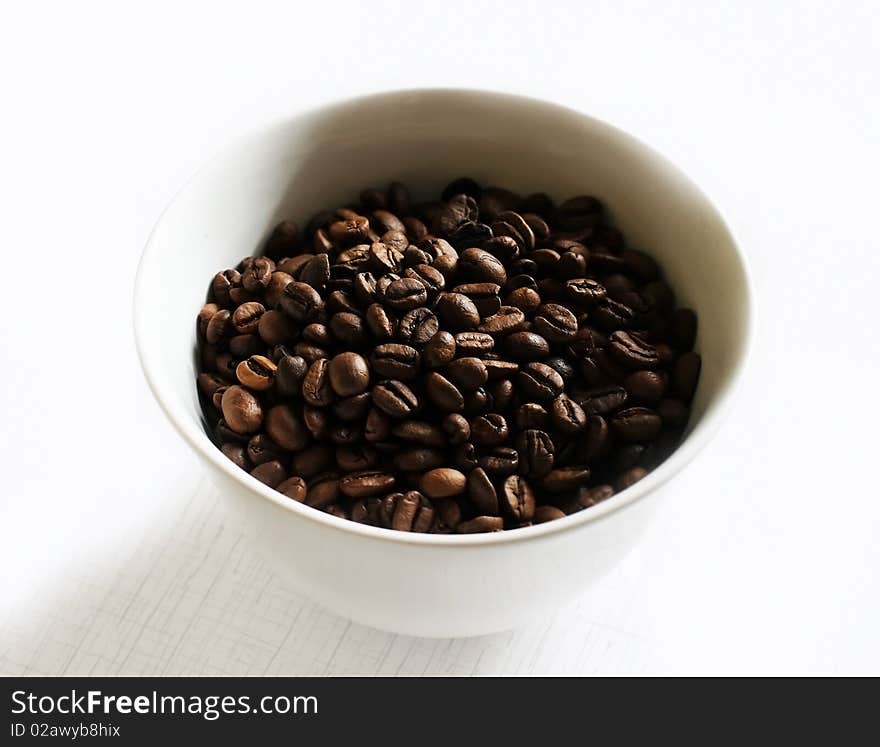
(434, 585)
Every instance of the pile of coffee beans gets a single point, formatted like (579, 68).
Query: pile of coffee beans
(486, 361)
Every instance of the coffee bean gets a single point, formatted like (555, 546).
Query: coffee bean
(539, 382)
(481, 492)
(385, 258)
(467, 373)
(349, 374)
(381, 322)
(284, 240)
(604, 399)
(420, 459)
(261, 448)
(499, 369)
(443, 393)
(506, 320)
(428, 276)
(457, 311)
(270, 473)
(275, 328)
(636, 424)
(395, 361)
(543, 514)
(421, 432)
(526, 346)
(323, 492)
(630, 477)
(456, 428)
(500, 461)
(568, 416)
(418, 326)
(442, 483)
(256, 373)
(395, 398)
(316, 272)
(377, 426)
(300, 301)
(645, 386)
(289, 375)
(685, 374)
(246, 318)
(316, 387)
(555, 323)
(363, 484)
(439, 350)
(631, 351)
(311, 461)
(241, 410)
(532, 415)
(517, 498)
(256, 276)
(481, 524)
(294, 488)
(536, 452)
(526, 300)
(475, 343)
(405, 294)
(489, 430)
(316, 421)
(237, 454)
(464, 457)
(596, 439)
(286, 428)
(564, 479)
(673, 412)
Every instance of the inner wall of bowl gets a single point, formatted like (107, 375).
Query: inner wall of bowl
(425, 139)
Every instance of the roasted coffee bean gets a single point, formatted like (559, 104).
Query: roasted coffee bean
(421, 432)
(567, 415)
(442, 483)
(363, 484)
(405, 294)
(517, 498)
(630, 477)
(539, 382)
(467, 373)
(418, 326)
(645, 386)
(536, 453)
(349, 374)
(685, 374)
(526, 346)
(636, 424)
(316, 387)
(256, 373)
(300, 301)
(481, 524)
(395, 361)
(500, 461)
(474, 343)
(439, 350)
(387, 354)
(457, 312)
(482, 492)
(270, 473)
(489, 430)
(395, 398)
(456, 428)
(286, 428)
(241, 410)
(604, 399)
(443, 393)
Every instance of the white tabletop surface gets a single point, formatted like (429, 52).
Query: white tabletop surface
(116, 556)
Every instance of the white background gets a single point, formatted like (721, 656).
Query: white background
(115, 557)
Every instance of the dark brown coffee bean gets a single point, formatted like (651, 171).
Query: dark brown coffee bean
(631, 351)
(349, 374)
(405, 294)
(395, 361)
(421, 432)
(237, 454)
(246, 318)
(241, 410)
(526, 346)
(464, 457)
(604, 399)
(428, 276)
(261, 449)
(352, 408)
(683, 329)
(502, 393)
(481, 492)
(636, 425)
(377, 427)
(395, 398)
(630, 477)
(439, 350)
(522, 230)
(539, 382)
(645, 386)
(356, 458)
(543, 514)
(311, 461)
(589, 497)
(517, 498)
(585, 291)
(293, 488)
(363, 484)
(532, 415)
(323, 492)
(474, 343)
(507, 319)
(317, 421)
(289, 375)
(443, 393)
(270, 473)
(536, 453)
(484, 296)
(568, 416)
(352, 230)
(286, 428)
(526, 300)
(418, 326)
(674, 413)
(596, 440)
(457, 210)
(316, 272)
(209, 383)
(256, 373)
(381, 322)
(468, 373)
(685, 375)
(489, 430)
(420, 459)
(479, 266)
(456, 428)
(481, 524)
(442, 483)
(300, 301)
(284, 241)
(244, 346)
(276, 328)
(219, 326)
(500, 461)
(457, 312)
(256, 277)
(316, 387)
(385, 258)
(555, 323)
(500, 369)
(564, 479)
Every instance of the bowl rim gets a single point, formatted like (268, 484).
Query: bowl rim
(697, 437)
